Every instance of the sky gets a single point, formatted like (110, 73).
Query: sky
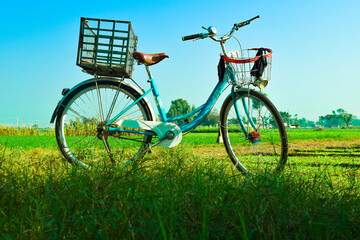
(315, 51)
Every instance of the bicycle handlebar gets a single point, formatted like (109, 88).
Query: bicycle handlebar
(195, 36)
(244, 23)
(212, 34)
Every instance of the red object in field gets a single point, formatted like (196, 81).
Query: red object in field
(254, 136)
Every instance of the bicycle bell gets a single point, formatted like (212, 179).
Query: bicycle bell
(212, 30)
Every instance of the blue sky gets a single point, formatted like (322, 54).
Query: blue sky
(315, 45)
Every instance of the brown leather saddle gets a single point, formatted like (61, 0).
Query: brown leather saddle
(149, 59)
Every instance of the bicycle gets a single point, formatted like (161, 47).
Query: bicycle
(107, 117)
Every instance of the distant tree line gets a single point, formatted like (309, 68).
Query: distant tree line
(178, 107)
(338, 118)
(295, 121)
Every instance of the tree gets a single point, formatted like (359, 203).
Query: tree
(331, 120)
(212, 119)
(355, 121)
(303, 122)
(346, 117)
(295, 121)
(179, 107)
(286, 116)
(334, 119)
(256, 104)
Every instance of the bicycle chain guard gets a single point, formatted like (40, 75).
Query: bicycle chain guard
(162, 129)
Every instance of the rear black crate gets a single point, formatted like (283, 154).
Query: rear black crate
(106, 47)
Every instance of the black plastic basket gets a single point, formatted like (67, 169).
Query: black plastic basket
(106, 47)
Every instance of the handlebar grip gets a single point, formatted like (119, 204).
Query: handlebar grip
(244, 23)
(189, 37)
(258, 16)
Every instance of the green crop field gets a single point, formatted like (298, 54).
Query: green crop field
(189, 192)
(196, 138)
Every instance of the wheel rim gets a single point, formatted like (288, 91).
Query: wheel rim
(262, 148)
(83, 135)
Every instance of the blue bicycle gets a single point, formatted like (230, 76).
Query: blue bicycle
(108, 117)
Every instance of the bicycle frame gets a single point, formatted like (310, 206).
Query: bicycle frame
(203, 110)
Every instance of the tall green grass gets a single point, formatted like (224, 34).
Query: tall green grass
(171, 194)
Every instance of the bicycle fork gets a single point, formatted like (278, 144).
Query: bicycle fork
(253, 136)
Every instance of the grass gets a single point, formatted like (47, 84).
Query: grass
(28, 142)
(189, 192)
(194, 139)
(172, 194)
(329, 133)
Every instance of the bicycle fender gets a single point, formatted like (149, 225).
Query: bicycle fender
(54, 114)
(60, 103)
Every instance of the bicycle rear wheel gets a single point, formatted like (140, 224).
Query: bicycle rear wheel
(80, 127)
(257, 141)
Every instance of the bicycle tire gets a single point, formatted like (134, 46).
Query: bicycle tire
(80, 122)
(263, 148)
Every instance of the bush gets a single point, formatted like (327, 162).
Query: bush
(23, 131)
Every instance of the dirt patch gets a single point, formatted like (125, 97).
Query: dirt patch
(324, 144)
(314, 147)
(318, 147)
(217, 151)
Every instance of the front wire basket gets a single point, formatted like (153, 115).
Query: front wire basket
(251, 66)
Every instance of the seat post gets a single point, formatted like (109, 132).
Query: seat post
(148, 70)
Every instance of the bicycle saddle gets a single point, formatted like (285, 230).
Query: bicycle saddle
(149, 59)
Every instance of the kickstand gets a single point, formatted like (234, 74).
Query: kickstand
(107, 147)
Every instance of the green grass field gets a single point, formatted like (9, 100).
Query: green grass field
(189, 192)
(28, 142)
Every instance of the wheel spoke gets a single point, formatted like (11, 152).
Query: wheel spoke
(80, 125)
(112, 106)
(266, 145)
(78, 114)
(100, 102)
(93, 106)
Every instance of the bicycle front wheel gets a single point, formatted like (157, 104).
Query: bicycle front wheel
(253, 132)
(81, 130)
